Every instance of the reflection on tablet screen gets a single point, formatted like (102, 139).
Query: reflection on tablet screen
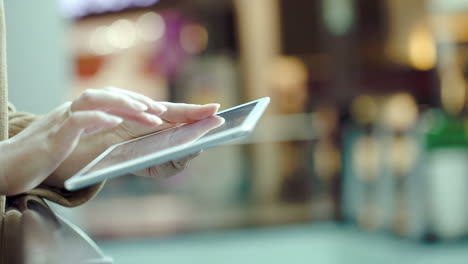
(185, 134)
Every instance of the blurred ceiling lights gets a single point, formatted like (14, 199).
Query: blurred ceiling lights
(121, 34)
(97, 42)
(125, 33)
(151, 26)
(80, 8)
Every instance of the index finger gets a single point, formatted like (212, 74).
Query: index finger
(186, 113)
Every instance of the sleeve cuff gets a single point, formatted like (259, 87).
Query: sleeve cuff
(64, 197)
(19, 121)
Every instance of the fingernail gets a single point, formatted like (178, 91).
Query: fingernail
(159, 107)
(139, 106)
(215, 104)
(155, 119)
(115, 119)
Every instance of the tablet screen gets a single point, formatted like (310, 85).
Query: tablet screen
(182, 135)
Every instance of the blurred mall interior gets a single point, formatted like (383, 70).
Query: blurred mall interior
(362, 155)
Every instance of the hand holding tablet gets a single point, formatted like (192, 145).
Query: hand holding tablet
(146, 145)
(170, 144)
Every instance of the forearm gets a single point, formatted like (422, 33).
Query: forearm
(4, 167)
(20, 167)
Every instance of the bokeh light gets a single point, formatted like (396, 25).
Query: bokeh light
(400, 112)
(193, 38)
(98, 42)
(151, 26)
(421, 48)
(364, 109)
(121, 34)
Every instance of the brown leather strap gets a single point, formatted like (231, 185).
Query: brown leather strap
(38, 205)
(2, 223)
(2, 207)
(11, 244)
(3, 96)
(3, 79)
(12, 227)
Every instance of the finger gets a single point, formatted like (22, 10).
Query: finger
(169, 168)
(107, 101)
(115, 104)
(143, 117)
(186, 113)
(78, 122)
(153, 106)
(183, 163)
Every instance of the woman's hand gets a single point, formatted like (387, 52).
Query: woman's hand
(93, 144)
(31, 156)
(64, 140)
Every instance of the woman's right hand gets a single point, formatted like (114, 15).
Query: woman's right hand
(31, 156)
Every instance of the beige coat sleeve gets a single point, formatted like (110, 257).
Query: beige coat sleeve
(19, 121)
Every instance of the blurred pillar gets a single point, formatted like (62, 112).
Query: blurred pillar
(449, 21)
(259, 36)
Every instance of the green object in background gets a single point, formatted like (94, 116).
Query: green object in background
(445, 180)
(446, 131)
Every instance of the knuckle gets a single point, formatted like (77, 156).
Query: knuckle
(72, 120)
(110, 88)
(52, 145)
(50, 140)
(87, 96)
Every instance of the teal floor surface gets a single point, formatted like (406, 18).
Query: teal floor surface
(319, 243)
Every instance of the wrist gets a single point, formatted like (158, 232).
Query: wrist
(89, 147)
(17, 177)
(4, 184)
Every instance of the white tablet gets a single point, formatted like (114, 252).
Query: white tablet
(170, 144)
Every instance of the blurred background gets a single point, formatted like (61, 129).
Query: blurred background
(361, 157)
